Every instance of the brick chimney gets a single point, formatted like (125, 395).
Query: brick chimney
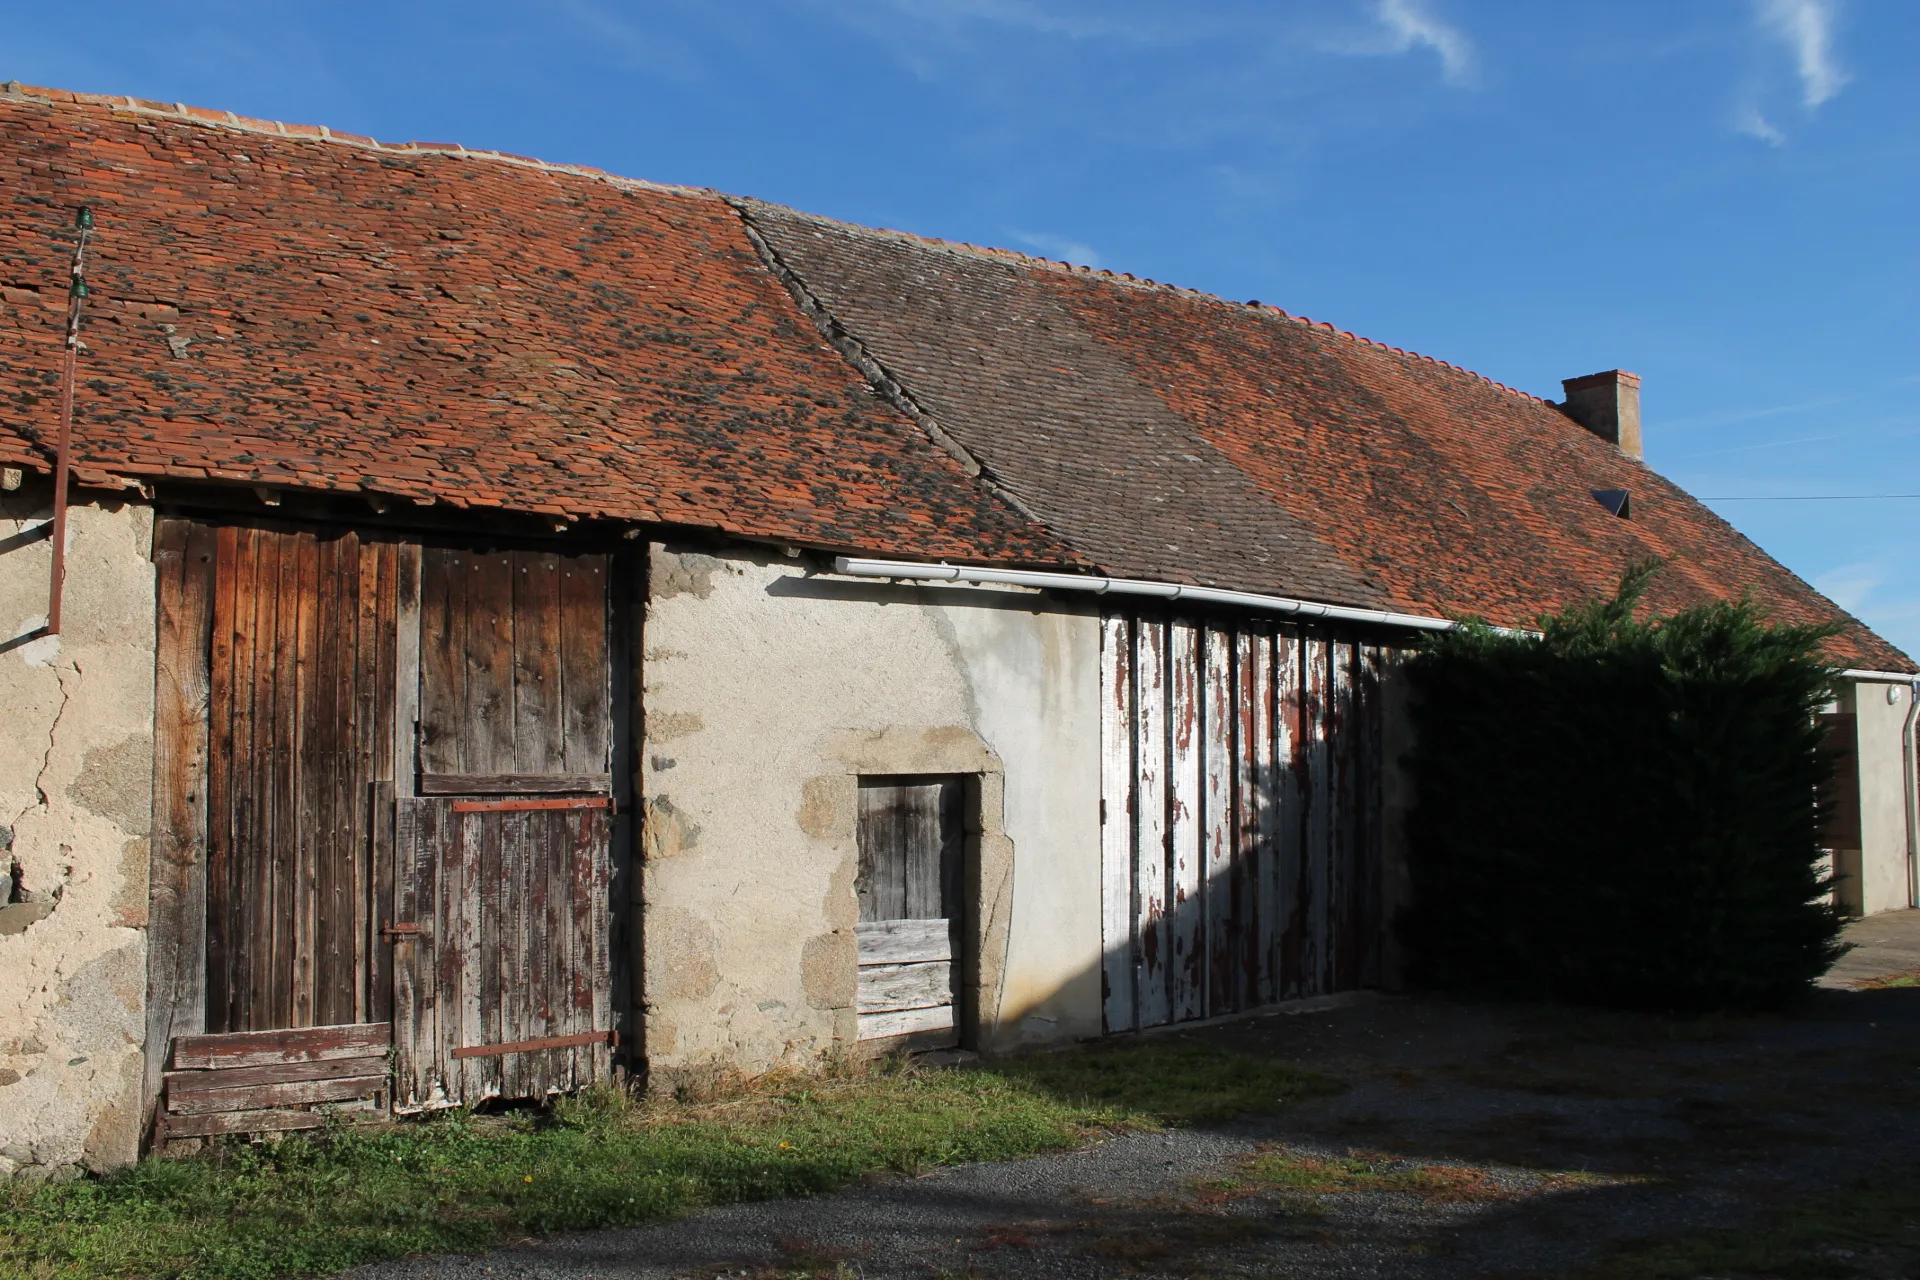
(1607, 404)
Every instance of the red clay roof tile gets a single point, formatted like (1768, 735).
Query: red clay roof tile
(448, 328)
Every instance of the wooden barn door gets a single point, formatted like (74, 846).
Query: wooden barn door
(301, 684)
(1241, 817)
(274, 730)
(501, 907)
(911, 839)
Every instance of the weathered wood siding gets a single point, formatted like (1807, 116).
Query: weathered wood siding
(1241, 801)
(515, 692)
(300, 678)
(261, 1081)
(503, 938)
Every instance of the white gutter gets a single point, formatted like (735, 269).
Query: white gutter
(1879, 677)
(912, 571)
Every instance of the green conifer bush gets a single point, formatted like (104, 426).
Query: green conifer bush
(1621, 811)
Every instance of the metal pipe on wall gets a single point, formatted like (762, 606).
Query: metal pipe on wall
(1911, 788)
(63, 449)
(913, 571)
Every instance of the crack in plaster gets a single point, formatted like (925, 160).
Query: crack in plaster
(53, 733)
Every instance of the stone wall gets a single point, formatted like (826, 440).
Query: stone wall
(76, 785)
(768, 692)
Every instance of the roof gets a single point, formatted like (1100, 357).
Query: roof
(329, 313)
(275, 304)
(1174, 436)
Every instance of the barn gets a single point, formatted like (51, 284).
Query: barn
(476, 626)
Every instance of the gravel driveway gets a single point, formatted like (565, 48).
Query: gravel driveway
(1473, 1140)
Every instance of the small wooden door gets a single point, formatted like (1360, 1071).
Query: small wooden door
(911, 838)
(502, 901)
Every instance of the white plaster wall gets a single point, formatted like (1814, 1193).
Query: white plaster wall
(1033, 680)
(76, 786)
(1883, 804)
(767, 694)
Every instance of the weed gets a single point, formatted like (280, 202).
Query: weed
(1153, 1248)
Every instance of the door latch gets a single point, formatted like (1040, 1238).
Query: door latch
(398, 932)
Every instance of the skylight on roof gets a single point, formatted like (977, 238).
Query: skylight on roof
(1617, 501)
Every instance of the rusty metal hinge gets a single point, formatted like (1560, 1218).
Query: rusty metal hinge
(398, 932)
(610, 1038)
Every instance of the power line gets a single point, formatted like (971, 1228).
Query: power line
(1814, 497)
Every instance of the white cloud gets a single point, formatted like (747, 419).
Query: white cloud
(1411, 25)
(1059, 247)
(1749, 121)
(1059, 20)
(636, 48)
(1806, 28)
(1851, 586)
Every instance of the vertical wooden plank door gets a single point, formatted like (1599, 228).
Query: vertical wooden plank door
(272, 731)
(1240, 801)
(501, 908)
(295, 745)
(911, 840)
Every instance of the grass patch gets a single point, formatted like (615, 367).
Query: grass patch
(321, 1203)
(1286, 1171)
(1171, 1079)
(1889, 981)
(1870, 1231)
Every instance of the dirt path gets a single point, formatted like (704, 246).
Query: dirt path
(1473, 1141)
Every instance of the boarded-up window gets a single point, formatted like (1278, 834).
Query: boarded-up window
(912, 841)
(513, 672)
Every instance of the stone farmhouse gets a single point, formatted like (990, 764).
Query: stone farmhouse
(508, 624)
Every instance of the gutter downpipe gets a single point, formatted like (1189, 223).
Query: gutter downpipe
(1912, 795)
(910, 571)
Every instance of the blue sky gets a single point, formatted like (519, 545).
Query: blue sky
(1721, 195)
